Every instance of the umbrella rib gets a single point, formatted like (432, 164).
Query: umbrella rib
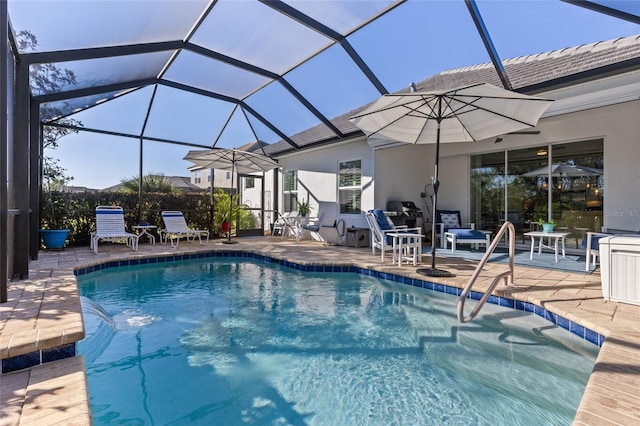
(481, 108)
(391, 122)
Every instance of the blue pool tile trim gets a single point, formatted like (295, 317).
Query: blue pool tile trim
(32, 359)
(20, 362)
(59, 352)
(585, 333)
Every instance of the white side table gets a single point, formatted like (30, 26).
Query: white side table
(144, 230)
(556, 236)
(406, 246)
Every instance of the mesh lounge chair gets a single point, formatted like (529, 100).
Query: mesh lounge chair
(110, 227)
(175, 227)
(380, 225)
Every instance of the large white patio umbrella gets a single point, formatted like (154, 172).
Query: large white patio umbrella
(231, 159)
(463, 114)
(564, 170)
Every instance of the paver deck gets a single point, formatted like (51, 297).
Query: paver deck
(44, 312)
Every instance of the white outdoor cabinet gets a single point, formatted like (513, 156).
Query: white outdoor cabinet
(620, 268)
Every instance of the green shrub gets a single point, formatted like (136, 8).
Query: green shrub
(79, 212)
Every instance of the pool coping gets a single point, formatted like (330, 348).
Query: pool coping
(619, 346)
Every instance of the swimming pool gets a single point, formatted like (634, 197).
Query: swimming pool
(236, 341)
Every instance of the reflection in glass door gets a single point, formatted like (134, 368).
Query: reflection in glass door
(487, 190)
(577, 186)
(563, 182)
(527, 192)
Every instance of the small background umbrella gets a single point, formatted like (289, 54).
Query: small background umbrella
(564, 170)
(231, 159)
(464, 114)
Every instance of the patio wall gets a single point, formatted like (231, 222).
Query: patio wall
(318, 178)
(618, 125)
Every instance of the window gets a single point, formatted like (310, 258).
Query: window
(228, 175)
(350, 186)
(210, 177)
(196, 177)
(290, 190)
(249, 183)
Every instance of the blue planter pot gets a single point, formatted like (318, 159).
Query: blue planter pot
(548, 227)
(54, 239)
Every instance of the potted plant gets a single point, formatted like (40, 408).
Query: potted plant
(547, 226)
(55, 223)
(226, 211)
(303, 208)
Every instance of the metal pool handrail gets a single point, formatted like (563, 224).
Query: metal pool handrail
(506, 276)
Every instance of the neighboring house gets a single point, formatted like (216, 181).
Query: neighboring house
(78, 189)
(202, 177)
(593, 120)
(182, 183)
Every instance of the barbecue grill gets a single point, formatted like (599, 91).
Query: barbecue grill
(403, 213)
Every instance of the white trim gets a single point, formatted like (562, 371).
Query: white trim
(594, 94)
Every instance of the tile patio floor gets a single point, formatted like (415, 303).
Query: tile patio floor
(44, 311)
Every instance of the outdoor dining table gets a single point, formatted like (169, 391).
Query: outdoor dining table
(558, 237)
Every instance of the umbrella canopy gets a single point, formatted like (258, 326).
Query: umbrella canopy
(464, 114)
(231, 159)
(564, 170)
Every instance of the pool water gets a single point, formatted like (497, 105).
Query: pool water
(237, 341)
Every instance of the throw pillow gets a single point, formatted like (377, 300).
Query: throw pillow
(450, 220)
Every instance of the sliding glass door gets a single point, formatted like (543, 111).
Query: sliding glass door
(563, 182)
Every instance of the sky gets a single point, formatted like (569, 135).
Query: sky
(412, 42)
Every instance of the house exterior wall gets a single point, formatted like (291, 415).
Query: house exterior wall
(400, 172)
(617, 125)
(318, 180)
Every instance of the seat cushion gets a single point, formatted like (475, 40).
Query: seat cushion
(312, 227)
(468, 234)
(381, 218)
(595, 242)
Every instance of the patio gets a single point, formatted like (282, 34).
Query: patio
(44, 311)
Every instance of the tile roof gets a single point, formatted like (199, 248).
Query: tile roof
(526, 73)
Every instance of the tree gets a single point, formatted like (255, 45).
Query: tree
(151, 182)
(48, 78)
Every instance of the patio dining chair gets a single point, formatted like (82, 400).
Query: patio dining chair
(291, 225)
(110, 227)
(283, 224)
(175, 228)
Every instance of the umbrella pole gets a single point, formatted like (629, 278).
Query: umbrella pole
(233, 192)
(433, 272)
